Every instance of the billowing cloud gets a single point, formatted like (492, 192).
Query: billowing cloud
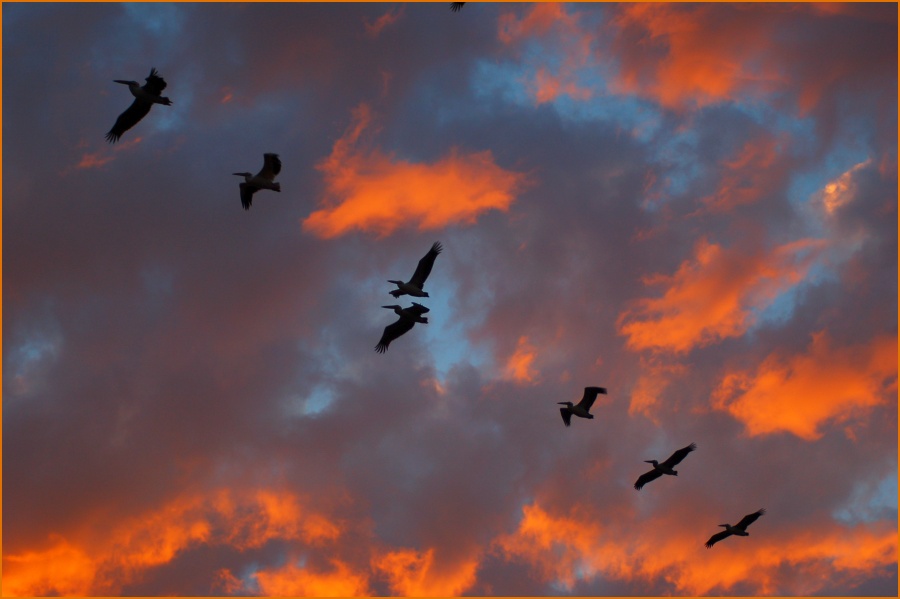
(518, 366)
(747, 176)
(372, 191)
(578, 547)
(418, 574)
(841, 191)
(295, 581)
(802, 393)
(712, 296)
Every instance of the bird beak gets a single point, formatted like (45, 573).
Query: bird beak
(121, 81)
(562, 403)
(648, 461)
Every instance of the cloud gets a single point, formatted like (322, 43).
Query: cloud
(374, 29)
(748, 176)
(580, 546)
(372, 191)
(518, 366)
(417, 574)
(712, 296)
(112, 557)
(841, 191)
(802, 393)
(295, 581)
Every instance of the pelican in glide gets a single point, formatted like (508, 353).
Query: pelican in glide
(408, 318)
(414, 286)
(664, 468)
(144, 98)
(264, 179)
(582, 408)
(739, 529)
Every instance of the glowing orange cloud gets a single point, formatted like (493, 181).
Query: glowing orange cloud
(584, 545)
(801, 393)
(95, 160)
(690, 55)
(745, 177)
(294, 581)
(416, 574)
(655, 377)
(842, 190)
(564, 35)
(518, 367)
(711, 296)
(103, 563)
(371, 191)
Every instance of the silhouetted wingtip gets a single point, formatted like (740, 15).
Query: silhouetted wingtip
(381, 348)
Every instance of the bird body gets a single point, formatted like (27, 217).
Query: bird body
(739, 529)
(414, 286)
(583, 407)
(264, 179)
(144, 98)
(408, 319)
(666, 467)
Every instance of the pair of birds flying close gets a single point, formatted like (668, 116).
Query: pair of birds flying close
(414, 287)
(145, 96)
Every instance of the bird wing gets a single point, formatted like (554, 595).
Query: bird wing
(566, 414)
(392, 331)
(716, 538)
(679, 455)
(455, 6)
(155, 84)
(590, 394)
(247, 192)
(425, 265)
(271, 166)
(749, 519)
(128, 119)
(417, 308)
(646, 478)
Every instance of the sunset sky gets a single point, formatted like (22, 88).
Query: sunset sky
(694, 206)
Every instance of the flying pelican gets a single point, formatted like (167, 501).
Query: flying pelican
(264, 179)
(582, 409)
(456, 6)
(144, 99)
(414, 286)
(739, 529)
(665, 467)
(408, 318)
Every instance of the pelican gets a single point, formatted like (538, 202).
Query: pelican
(408, 318)
(739, 529)
(144, 99)
(264, 179)
(456, 6)
(665, 467)
(582, 408)
(414, 286)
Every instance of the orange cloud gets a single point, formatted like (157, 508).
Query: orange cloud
(95, 160)
(745, 178)
(655, 378)
(583, 545)
(518, 367)
(711, 297)
(372, 191)
(103, 563)
(295, 581)
(416, 574)
(388, 18)
(682, 55)
(842, 190)
(564, 36)
(802, 393)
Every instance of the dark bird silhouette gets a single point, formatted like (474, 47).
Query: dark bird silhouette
(456, 6)
(264, 179)
(582, 409)
(739, 529)
(665, 467)
(144, 99)
(408, 318)
(414, 286)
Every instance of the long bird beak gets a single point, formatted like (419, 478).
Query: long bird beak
(390, 307)
(123, 81)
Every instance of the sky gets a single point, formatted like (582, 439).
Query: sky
(692, 205)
